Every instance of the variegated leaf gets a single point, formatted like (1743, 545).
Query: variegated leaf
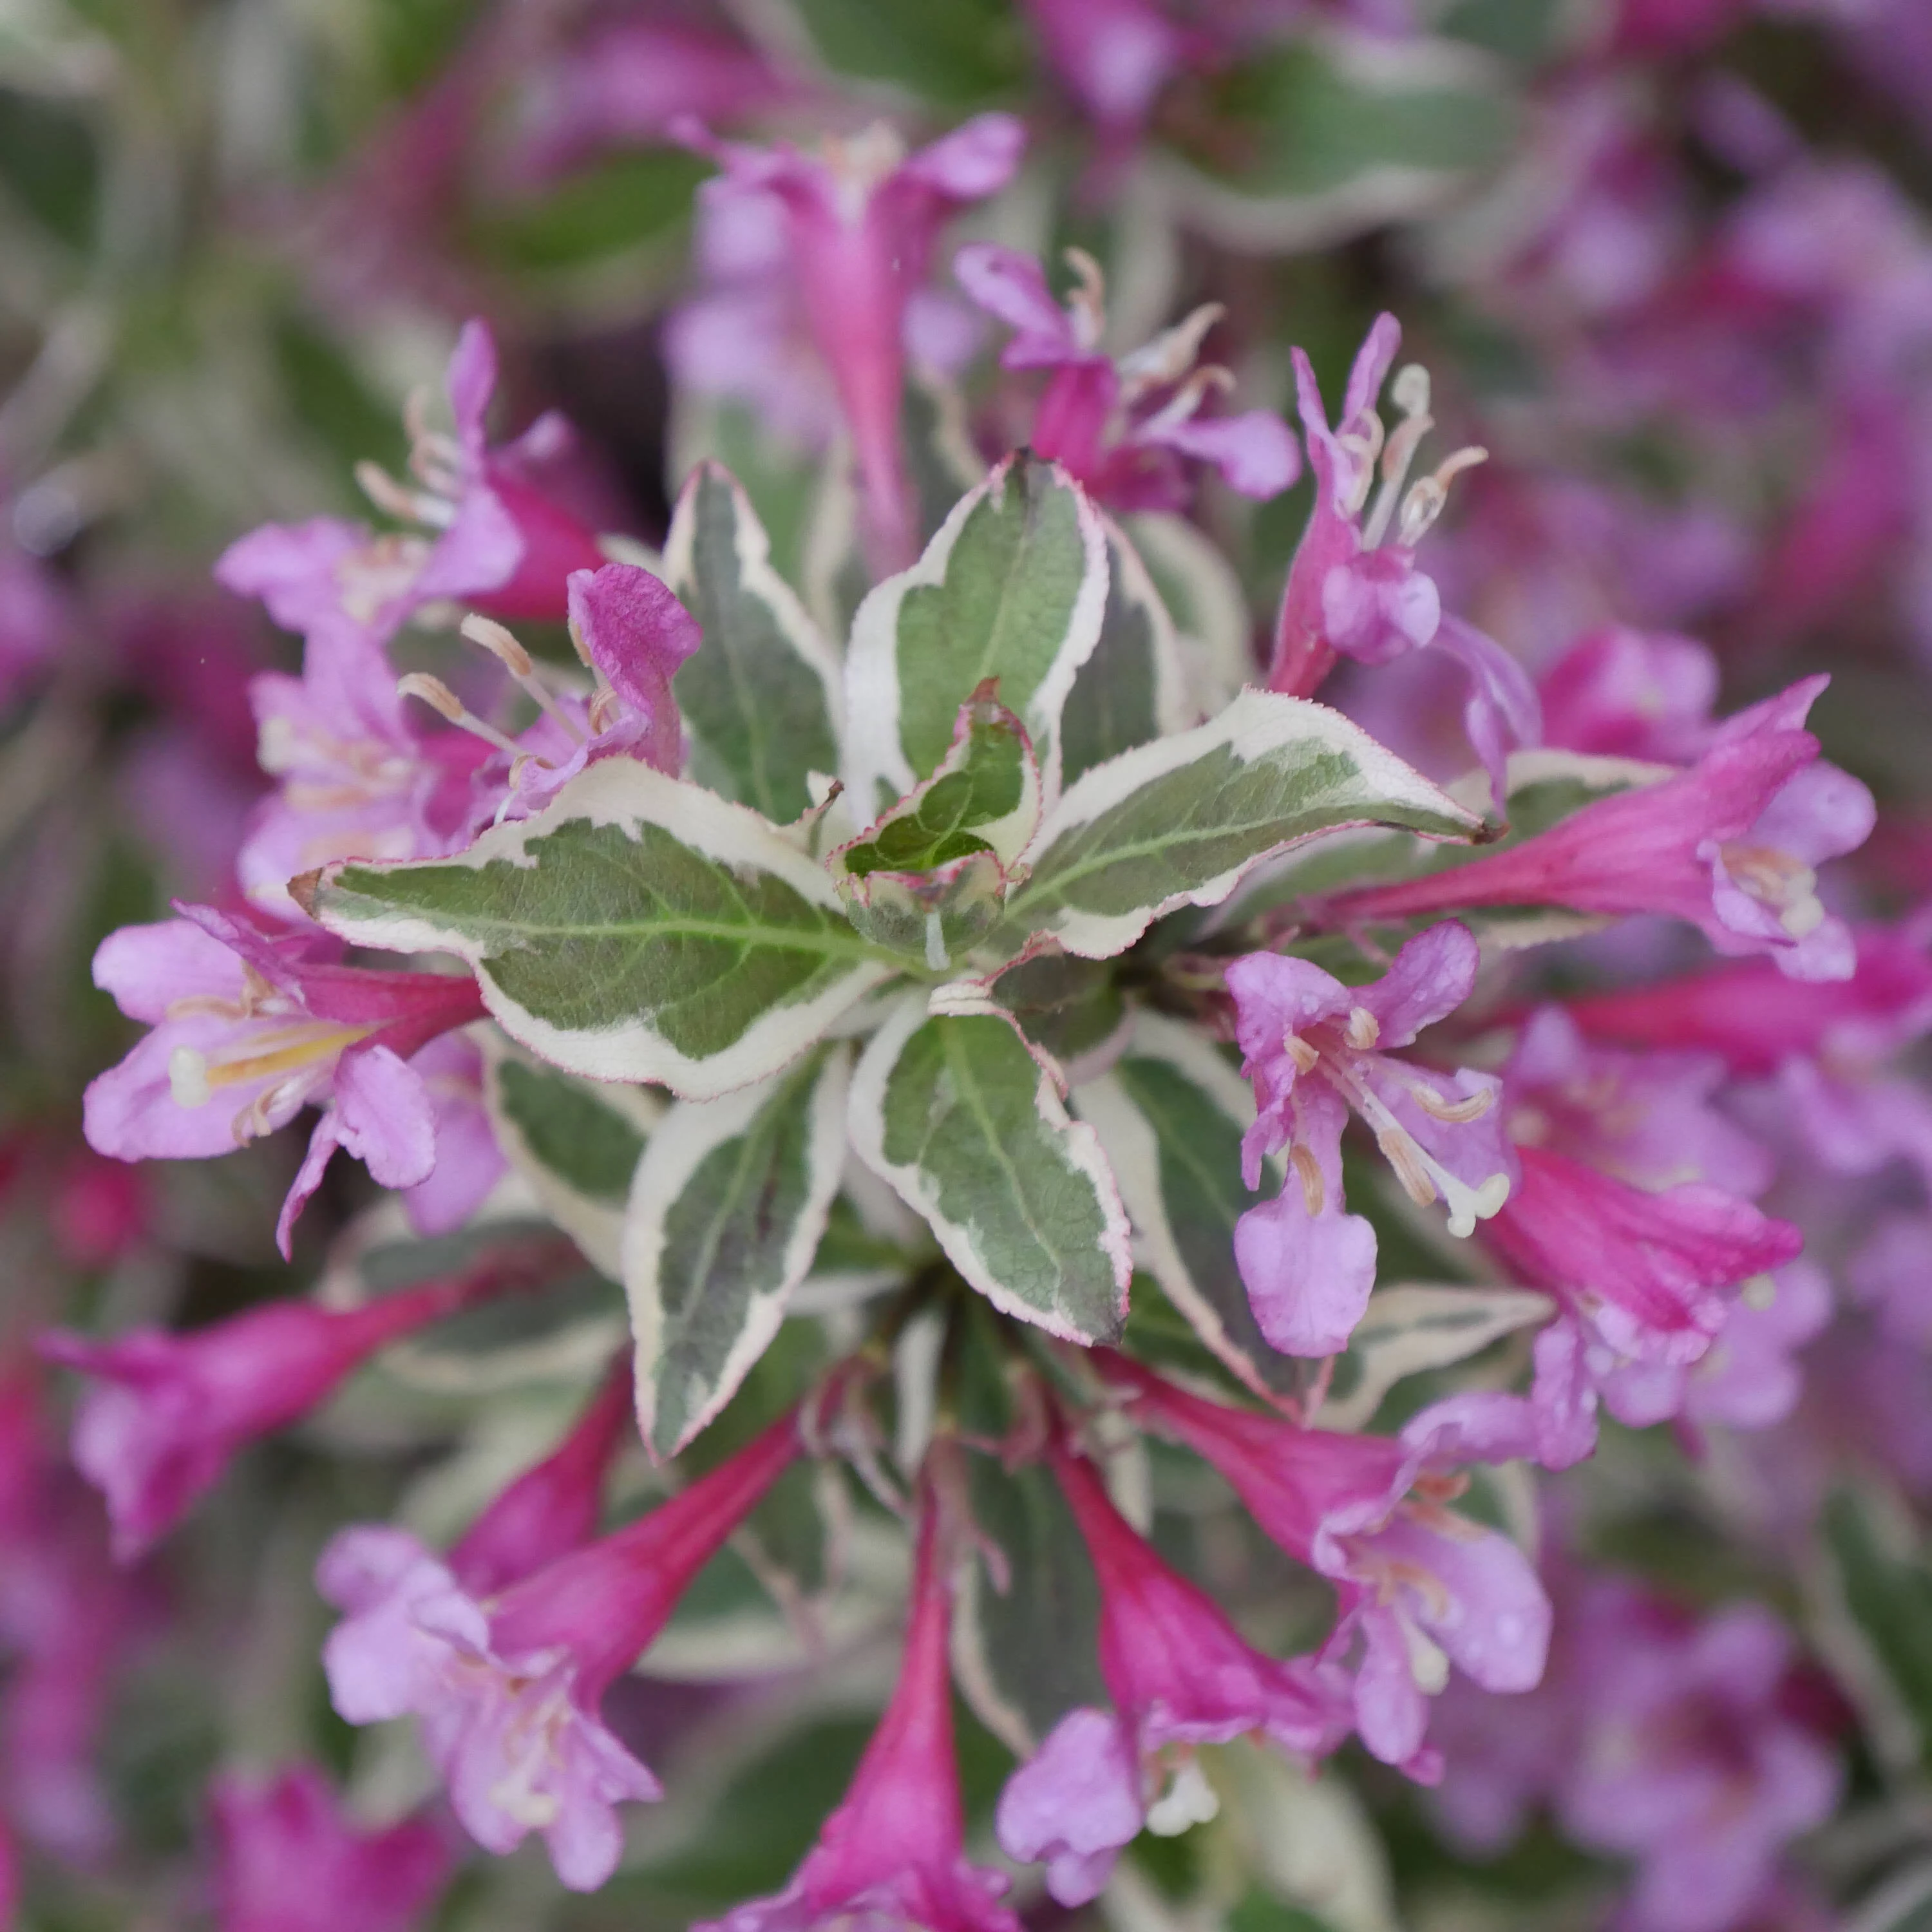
(957, 1113)
(1013, 588)
(724, 1220)
(636, 929)
(1177, 822)
(760, 696)
(1412, 1327)
(578, 1142)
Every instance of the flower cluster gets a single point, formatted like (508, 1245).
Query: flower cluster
(1041, 1008)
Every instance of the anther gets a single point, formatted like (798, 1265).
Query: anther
(1452, 1113)
(1363, 1029)
(1306, 1058)
(1086, 302)
(440, 697)
(1308, 1172)
(503, 646)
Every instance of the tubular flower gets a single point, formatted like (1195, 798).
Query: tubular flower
(893, 1854)
(1353, 589)
(1316, 1051)
(1123, 426)
(483, 533)
(1180, 1676)
(249, 1029)
(171, 1411)
(861, 218)
(1731, 845)
(1418, 1587)
(286, 1860)
(508, 1688)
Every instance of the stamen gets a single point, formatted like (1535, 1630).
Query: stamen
(1424, 504)
(1778, 881)
(1424, 1177)
(503, 646)
(1308, 1171)
(605, 707)
(1363, 1029)
(1428, 1664)
(187, 1078)
(1086, 302)
(439, 697)
(1411, 394)
(1188, 1801)
(410, 506)
(1306, 1058)
(1758, 1293)
(1451, 1113)
(1361, 442)
(284, 1050)
(1170, 354)
(1182, 405)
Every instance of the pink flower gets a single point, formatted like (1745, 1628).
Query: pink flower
(861, 219)
(1730, 845)
(1618, 693)
(552, 1509)
(248, 1030)
(1645, 1118)
(1418, 1587)
(357, 780)
(1180, 1676)
(1114, 57)
(484, 536)
(1756, 1017)
(1124, 428)
(1353, 588)
(1317, 1050)
(286, 1860)
(633, 634)
(171, 1411)
(507, 1688)
(1687, 1763)
(893, 1853)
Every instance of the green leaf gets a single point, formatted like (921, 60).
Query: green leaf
(730, 1202)
(957, 1114)
(1178, 822)
(984, 797)
(932, 916)
(1885, 1586)
(1068, 1006)
(1134, 686)
(1412, 1327)
(636, 929)
(1013, 588)
(1170, 1114)
(955, 53)
(1314, 139)
(578, 1142)
(1024, 1654)
(626, 202)
(760, 695)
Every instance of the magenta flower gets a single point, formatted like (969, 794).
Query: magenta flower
(1114, 57)
(893, 1854)
(483, 533)
(861, 218)
(1646, 1118)
(1418, 1587)
(1618, 693)
(552, 1509)
(357, 780)
(1124, 428)
(1354, 589)
(1687, 1763)
(1652, 1271)
(1756, 1017)
(1317, 1051)
(286, 1860)
(1731, 845)
(507, 1688)
(171, 1410)
(1180, 1676)
(248, 1030)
